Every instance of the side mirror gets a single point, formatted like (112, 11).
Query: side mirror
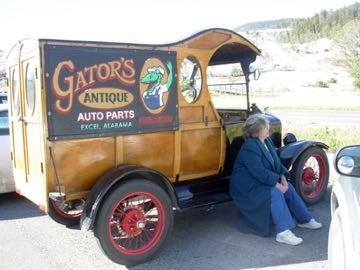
(347, 160)
(256, 74)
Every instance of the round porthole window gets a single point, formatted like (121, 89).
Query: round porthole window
(190, 79)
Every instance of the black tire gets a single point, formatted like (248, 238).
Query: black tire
(336, 243)
(310, 173)
(134, 222)
(67, 213)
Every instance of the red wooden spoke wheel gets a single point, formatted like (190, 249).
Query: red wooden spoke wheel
(137, 223)
(134, 221)
(311, 174)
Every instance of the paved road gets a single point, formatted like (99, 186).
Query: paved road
(202, 239)
(328, 117)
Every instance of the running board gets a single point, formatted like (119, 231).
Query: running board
(204, 200)
(202, 193)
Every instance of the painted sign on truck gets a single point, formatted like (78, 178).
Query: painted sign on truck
(105, 91)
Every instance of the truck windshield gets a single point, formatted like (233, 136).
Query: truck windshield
(227, 80)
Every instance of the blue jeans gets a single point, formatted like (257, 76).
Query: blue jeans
(285, 207)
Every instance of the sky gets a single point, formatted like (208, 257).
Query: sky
(140, 21)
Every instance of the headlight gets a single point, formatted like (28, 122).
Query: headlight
(345, 164)
(289, 138)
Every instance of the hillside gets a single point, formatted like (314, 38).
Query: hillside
(306, 63)
(292, 75)
(262, 25)
(326, 23)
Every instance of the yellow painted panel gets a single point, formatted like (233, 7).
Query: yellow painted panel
(34, 157)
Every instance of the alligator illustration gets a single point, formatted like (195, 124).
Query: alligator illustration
(153, 96)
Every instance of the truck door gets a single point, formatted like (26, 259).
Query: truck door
(24, 118)
(202, 136)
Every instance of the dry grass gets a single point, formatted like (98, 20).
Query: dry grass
(333, 136)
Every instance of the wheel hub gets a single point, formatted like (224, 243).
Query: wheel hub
(133, 222)
(308, 175)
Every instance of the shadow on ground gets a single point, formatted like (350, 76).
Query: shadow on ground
(209, 238)
(14, 206)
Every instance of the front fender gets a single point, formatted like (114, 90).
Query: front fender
(290, 152)
(110, 179)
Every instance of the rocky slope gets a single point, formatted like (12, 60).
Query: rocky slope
(297, 66)
(292, 75)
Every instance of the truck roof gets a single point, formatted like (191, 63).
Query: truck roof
(206, 39)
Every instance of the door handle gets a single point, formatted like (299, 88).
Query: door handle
(16, 119)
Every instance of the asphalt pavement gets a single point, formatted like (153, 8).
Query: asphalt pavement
(330, 117)
(204, 238)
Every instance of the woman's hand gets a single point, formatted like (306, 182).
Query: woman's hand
(283, 181)
(283, 184)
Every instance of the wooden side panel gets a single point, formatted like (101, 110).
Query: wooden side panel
(153, 150)
(79, 163)
(200, 150)
(192, 114)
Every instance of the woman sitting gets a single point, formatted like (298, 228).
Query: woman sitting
(259, 187)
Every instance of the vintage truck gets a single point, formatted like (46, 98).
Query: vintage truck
(120, 135)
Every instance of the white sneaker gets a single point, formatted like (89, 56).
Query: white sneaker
(287, 237)
(312, 224)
